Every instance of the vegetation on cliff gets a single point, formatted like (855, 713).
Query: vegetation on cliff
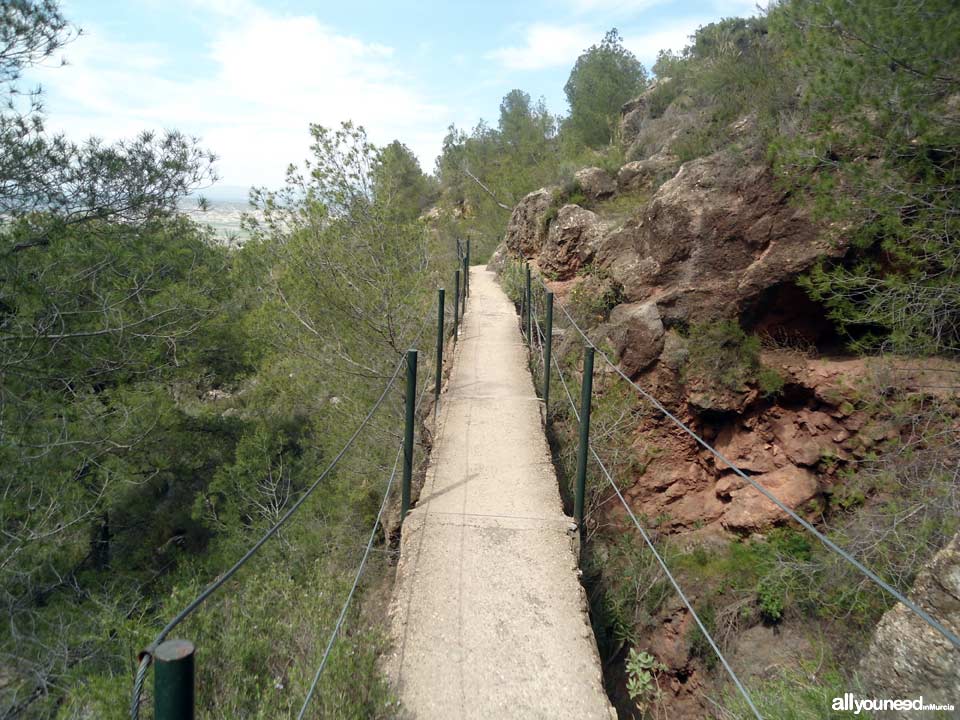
(164, 398)
(812, 222)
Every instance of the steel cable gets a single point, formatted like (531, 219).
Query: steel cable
(146, 655)
(428, 378)
(353, 589)
(829, 544)
(660, 560)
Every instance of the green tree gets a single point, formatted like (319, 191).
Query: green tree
(103, 291)
(604, 77)
(398, 182)
(878, 151)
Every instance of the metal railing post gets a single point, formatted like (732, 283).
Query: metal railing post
(439, 369)
(466, 281)
(523, 306)
(547, 353)
(586, 391)
(408, 432)
(529, 311)
(466, 288)
(456, 302)
(173, 682)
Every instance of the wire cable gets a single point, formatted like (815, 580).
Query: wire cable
(363, 562)
(353, 590)
(827, 542)
(147, 654)
(661, 562)
(676, 586)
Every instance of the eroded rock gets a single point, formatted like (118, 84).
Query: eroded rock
(595, 183)
(526, 229)
(644, 174)
(571, 241)
(636, 333)
(909, 659)
(750, 510)
(713, 237)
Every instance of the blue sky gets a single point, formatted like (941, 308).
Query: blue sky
(248, 76)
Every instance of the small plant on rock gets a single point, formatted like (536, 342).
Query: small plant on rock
(721, 353)
(770, 381)
(642, 670)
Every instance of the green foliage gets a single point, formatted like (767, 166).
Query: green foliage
(770, 381)
(513, 280)
(732, 70)
(642, 669)
(400, 183)
(722, 354)
(627, 589)
(484, 173)
(877, 154)
(802, 693)
(697, 642)
(592, 299)
(163, 400)
(604, 77)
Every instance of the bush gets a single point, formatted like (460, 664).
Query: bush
(513, 280)
(697, 642)
(721, 353)
(770, 381)
(594, 297)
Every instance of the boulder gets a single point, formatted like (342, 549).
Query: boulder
(637, 335)
(526, 228)
(644, 174)
(807, 436)
(595, 183)
(644, 136)
(712, 238)
(907, 658)
(571, 241)
(747, 450)
(749, 510)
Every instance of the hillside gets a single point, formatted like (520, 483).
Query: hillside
(764, 300)
(760, 231)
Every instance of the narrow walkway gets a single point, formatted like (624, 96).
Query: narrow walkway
(488, 617)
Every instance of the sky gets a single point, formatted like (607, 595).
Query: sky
(248, 77)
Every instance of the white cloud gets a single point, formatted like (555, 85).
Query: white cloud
(550, 46)
(724, 8)
(547, 46)
(584, 6)
(675, 37)
(272, 75)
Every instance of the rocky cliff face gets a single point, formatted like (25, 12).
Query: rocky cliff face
(907, 658)
(690, 244)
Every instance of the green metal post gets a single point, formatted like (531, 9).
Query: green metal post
(456, 302)
(523, 310)
(173, 681)
(408, 432)
(529, 311)
(466, 281)
(586, 390)
(436, 382)
(547, 352)
(466, 289)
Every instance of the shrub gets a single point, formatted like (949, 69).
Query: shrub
(721, 353)
(770, 381)
(696, 641)
(594, 297)
(513, 280)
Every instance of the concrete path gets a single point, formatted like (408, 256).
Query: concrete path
(488, 617)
